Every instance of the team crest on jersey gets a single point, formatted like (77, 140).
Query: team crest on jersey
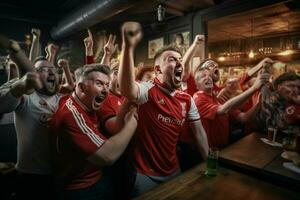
(290, 110)
(161, 101)
(183, 110)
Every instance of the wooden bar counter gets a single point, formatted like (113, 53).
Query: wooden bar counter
(250, 153)
(228, 184)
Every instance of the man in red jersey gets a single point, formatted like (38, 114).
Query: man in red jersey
(79, 149)
(215, 116)
(162, 112)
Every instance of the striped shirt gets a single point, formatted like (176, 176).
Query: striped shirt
(74, 137)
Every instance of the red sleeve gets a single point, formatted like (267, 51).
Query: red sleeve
(106, 111)
(89, 60)
(243, 80)
(82, 133)
(233, 114)
(206, 107)
(191, 85)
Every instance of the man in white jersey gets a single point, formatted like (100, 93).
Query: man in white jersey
(163, 109)
(33, 98)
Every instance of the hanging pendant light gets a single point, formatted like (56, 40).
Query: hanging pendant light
(251, 53)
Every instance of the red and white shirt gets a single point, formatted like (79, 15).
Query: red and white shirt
(216, 126)
(74, 137)
(110, 107)
(161, 117)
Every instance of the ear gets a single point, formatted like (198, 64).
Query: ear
(157, 69)
(81, 87)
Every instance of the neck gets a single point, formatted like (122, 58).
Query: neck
(77, 99)
(164, 84)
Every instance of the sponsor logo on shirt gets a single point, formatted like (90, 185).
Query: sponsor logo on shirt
(170, 120)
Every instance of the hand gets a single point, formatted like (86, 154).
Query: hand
(36, 32)
(63, 63)
(110, 47)
(131, 116)
(199, 39)
(26, 84)
(9, 44)
(266, 65)
(88, 41)
(131, 33)
(52, 48)
(262, 79)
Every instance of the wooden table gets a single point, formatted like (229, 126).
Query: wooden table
(228, 184)
(250, 153)
(260, 160)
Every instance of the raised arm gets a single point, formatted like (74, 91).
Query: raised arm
(17, 55)
(262, 79)
(89, 45)
(11, 92)
(109, 49)
(69, 85)
(187, 58)
(131, 35)
(51, 51)
(259, 66)
(35, 46)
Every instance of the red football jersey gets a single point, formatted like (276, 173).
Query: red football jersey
(74, 137)
(216, 126)
(161, 116)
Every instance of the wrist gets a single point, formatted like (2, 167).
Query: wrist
(89, 52)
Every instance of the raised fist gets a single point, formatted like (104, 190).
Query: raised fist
(36, 32)
(199, 39)
(63, 63)
(131, 33)
(52, 48)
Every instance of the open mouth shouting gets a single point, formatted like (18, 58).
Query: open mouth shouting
(97, 101)
(178, 74)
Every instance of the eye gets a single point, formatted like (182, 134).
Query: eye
(172, 59)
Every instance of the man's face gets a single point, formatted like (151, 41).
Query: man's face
(95, 89)
(171, 68)
(204, 80)
(48, 76)
(289, 89)
(214, 69)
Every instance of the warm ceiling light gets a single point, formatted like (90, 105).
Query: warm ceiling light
(221, 58)
(251, 54)
(286, 53)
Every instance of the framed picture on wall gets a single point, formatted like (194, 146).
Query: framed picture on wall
(154, 46)
(180, 40)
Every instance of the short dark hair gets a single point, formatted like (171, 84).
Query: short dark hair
(87, 69)
(166, 48)
(288, 76)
